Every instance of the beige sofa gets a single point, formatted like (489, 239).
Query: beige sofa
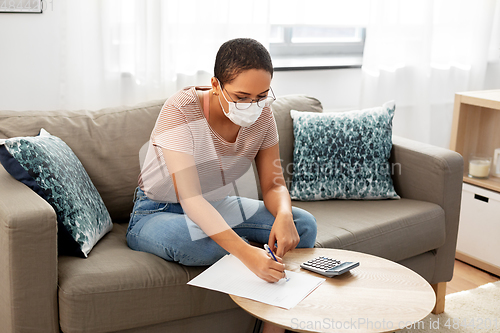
(118, 289)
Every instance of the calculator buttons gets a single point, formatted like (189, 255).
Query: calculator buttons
(328, 266)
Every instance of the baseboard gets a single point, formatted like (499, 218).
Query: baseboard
(478, 263)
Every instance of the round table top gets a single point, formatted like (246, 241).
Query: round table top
(378, 296)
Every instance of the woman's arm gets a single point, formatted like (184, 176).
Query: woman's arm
(277, 200)
(182, 169)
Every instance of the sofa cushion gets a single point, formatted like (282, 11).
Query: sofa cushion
(343, 155)
(50, 168)
(281, 110)
(392, 229)
(106, 141)
(117, 288)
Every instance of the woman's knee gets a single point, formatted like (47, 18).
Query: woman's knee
(172, 242)
(205, 253)
(306, 227)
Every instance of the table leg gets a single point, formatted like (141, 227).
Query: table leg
(258, 326)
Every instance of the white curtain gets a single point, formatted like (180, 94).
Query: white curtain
(418, 52)
(421, 53)
(122, 52)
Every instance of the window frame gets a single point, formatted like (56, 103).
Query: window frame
(303, 52)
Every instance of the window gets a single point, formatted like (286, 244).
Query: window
(320, 34)
(316, 40)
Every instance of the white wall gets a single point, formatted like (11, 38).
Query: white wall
(29, 60)
(30, 68)
(337, 89)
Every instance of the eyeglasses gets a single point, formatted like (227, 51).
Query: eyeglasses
(245, 103)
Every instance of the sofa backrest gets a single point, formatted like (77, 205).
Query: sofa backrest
(108, 141)
(281, 110)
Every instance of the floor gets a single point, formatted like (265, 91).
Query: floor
(467, 277)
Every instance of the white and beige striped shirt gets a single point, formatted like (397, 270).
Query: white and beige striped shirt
(182, 127)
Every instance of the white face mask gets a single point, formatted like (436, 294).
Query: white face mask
(242, 118)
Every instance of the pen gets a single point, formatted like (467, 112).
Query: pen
(269, 252)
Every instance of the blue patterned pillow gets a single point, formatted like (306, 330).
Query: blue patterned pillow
(50, 168)
(343, 155)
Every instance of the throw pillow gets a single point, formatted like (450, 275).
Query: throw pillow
(343, 155)
(50, 168)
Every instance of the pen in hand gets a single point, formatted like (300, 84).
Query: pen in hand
(271, 254)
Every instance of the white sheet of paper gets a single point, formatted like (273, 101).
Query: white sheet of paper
(229, 275)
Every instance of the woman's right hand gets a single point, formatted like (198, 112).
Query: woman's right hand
(257, 260)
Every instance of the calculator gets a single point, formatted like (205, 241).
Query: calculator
(328, 266)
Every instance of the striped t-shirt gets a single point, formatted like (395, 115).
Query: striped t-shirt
(181, 126)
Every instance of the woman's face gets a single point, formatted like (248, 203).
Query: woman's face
(252, 83)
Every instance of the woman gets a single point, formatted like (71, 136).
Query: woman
(203, 141)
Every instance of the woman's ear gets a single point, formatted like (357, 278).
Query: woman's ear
(215, 85)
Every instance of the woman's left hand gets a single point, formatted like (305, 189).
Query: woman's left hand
(284, 233)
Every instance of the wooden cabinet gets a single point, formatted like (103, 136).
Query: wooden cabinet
(476, 130)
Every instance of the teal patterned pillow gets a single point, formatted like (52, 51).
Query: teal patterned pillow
(343, 155)
(49, 167)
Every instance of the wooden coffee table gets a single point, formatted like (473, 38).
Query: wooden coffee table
(378, 296)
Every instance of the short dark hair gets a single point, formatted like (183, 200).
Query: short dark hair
(238, 55)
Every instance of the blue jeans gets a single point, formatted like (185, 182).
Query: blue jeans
(164, 230)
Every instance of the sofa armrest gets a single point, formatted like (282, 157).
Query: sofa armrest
(429, 173)
(28, 259)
